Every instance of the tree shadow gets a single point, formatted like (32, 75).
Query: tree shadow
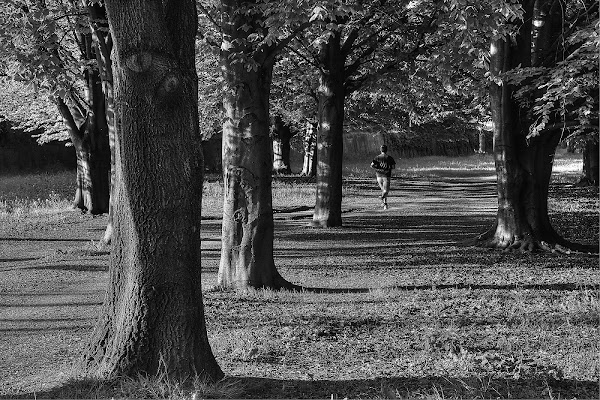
(461, 286)
(543, 385)
(406, 387)
(66, 328)
(41, 239)
(382, 228)
(71, 267)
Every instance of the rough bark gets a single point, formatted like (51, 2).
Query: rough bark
(247, 228)
(309, 166)
(331, 93)
(152, 319)
(523, 166)
(282, 133)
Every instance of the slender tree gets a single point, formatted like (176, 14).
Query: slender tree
(152, 318)
(282, 133)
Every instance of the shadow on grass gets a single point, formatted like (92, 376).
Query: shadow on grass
(553, 287)
(40, 239)
(400, 387)
(66, 328)
(484, 386)
(380, 229)
(71, 267)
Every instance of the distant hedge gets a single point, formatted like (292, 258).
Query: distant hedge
(448, 138)
(19, 151)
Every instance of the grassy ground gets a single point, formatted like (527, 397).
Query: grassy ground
(426, 317)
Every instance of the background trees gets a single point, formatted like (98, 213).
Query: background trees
(63, 48)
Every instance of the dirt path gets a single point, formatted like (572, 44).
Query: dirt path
(52, 276)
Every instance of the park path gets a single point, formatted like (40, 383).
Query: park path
(434, 212)
(450, 196)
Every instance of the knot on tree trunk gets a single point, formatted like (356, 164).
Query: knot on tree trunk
(240, 215)
(139, 62)
(162, 72)
(169, 84)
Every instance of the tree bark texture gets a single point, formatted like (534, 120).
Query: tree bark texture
(310, 143)
(282, 133)
(331, 93)
(247, 228)
(152, 319)
(523, 166)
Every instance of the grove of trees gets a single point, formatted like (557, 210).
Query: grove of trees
(124, 76)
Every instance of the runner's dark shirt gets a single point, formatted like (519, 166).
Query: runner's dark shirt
(383, 165)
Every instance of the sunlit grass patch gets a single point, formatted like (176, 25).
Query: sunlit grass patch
(39, 185)
(284, 196)
(35, 194)
(20, 207)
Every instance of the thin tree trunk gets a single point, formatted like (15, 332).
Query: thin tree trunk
(102, 51)
(310, 143)
(590, 163)
(282, 134)
(481, 142)
(112, 138)
(331, 93)
(247, 228)
(152, 319)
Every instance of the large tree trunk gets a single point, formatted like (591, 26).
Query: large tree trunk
(523, 166)
(331, 93)
(309, 166)
(247, 229)
(282, 133)
(152, 319)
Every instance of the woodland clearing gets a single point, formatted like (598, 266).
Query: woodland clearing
(423, 315)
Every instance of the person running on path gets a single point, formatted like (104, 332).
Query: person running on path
(383, 166)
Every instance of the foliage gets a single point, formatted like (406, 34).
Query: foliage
(41, 44)
(209, 90)
(568, 90)
(30, 111)
(560, 89)
(411, 62)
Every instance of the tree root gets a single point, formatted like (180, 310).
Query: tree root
(529, 244)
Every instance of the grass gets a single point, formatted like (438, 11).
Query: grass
(436, 321)
(35, 194)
